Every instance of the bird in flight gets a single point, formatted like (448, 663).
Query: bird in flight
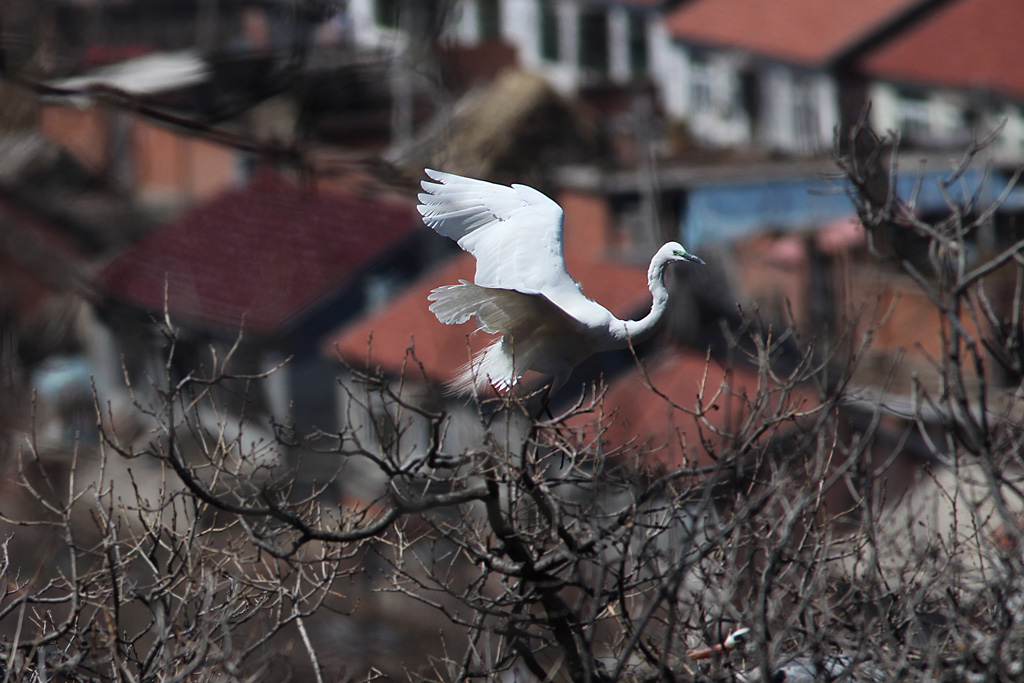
(521, 289)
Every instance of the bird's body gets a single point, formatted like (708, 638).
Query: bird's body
(521, 289)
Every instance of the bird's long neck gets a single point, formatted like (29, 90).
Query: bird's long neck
(638, 330)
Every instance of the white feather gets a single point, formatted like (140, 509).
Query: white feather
(491, 367)
(521, 289)
(515, 233)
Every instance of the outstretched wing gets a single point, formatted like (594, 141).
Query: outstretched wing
(515, 233)
(502, 311)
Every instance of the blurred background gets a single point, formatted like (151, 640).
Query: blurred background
(249, 169)
(257, 162)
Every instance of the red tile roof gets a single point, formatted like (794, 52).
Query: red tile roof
(967, 43)
(715, 401)
(406, 321)
(442, 349)
(263, 253)
(804, 31)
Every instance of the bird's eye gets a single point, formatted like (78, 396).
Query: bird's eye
(676, 252)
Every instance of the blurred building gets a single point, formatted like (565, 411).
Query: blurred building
(249, 168)
(708, 121)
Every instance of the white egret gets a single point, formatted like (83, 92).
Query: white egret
(521, 289)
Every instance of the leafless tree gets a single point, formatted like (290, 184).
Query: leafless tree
(177, 547)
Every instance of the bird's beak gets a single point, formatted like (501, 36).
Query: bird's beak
(695, 259)
(707, 652)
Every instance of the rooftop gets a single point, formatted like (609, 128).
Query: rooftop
(150, 74)
(987, 57)
(809, 32)
(261, 254)
(697, 405)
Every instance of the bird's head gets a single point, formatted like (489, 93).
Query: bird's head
(673, 251)
(737, 640)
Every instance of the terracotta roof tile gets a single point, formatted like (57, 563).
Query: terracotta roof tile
(804, 31)
(263, 253)
(387, 334)
(442, 349)
(968, 43)
(640, 3)
(715, 403)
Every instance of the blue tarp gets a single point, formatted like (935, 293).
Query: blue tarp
(60, 375)
(973, 185)
(717, 214)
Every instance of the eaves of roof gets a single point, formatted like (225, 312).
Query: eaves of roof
(148, 74)
(686, 176)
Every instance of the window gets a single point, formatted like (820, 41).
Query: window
(805, 116)
(750, 92)
(385, 13)
(489, 19)
(701, 83)
(594, 41)
(549, 43)
(914, 118)
(637, 44)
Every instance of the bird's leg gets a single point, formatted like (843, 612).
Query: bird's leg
(557, 382)
(545, 403)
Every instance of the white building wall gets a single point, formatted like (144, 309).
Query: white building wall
(828, 108)
(946, 120)
(360, 16)
(781, 125)
(521, 27)
(366, 32)
(776, 126)
(670, 70)
(946, 114)
(465, 24)
(520, 21)
(277, 385)
(722, 121)
(565, 76)
(884, 101)
(1008, 147)
(815, 111)
(618, 45)
(937, 117)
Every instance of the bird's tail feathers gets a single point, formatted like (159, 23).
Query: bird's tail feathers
(493, 367)
(453, 304)
(496, 309)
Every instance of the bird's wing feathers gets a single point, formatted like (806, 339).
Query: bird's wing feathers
(521, 290)
(529, 322)
(515, 233)
(500, 311)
